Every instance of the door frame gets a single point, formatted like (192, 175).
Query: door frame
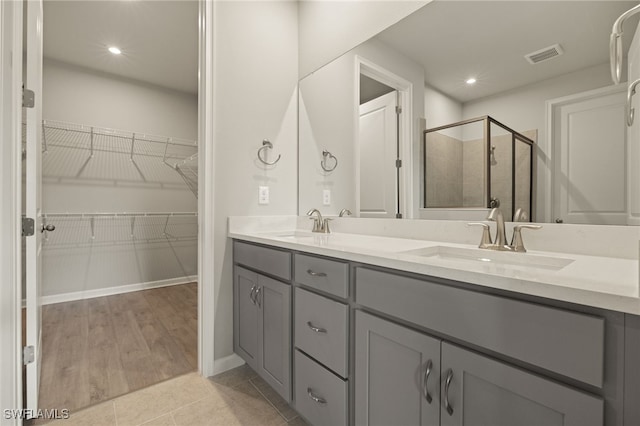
(405, 101)
(11, 209)
(206, 176)
(547, 157)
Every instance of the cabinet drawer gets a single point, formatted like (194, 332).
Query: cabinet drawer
(326, 275)
(327, 341)
(271, 261)
(315, 381)
(565, 342)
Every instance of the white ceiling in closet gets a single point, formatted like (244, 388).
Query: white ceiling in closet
(158, 39)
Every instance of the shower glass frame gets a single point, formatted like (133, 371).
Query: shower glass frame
(487, 122)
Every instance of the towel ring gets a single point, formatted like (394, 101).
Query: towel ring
(266, 144)
(323, 163)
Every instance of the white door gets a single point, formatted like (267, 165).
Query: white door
(32, 165)
(378, 150)
(590, 159)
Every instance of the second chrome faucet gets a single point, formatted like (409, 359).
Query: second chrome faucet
(517, 244)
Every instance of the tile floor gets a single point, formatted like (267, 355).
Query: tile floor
(236, 397)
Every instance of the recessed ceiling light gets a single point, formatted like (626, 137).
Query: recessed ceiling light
(471, 81)
(115, 50)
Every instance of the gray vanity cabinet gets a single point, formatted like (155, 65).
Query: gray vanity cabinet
(262, 327)
(404, 377)
(397, 373)
(246, 316)
(477, 390)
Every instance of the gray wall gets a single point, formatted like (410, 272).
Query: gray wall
(255, 83)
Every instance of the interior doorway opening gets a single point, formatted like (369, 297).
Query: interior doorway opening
(116, 302)
(383, 153)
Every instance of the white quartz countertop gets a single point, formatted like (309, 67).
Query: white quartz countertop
(598, 281)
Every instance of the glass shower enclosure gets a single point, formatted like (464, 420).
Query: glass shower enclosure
(479, 163)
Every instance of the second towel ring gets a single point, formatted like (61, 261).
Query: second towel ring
(266, 144)
(323, 163)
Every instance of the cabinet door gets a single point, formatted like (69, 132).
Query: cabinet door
(274, 337)
(245, 315)
(396, 374)
(477, 390)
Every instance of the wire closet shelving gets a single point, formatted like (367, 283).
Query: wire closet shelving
(78, 151)
(82, 229)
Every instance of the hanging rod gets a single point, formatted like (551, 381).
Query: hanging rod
(125, 214)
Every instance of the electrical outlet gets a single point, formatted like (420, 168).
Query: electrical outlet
(263, 195)
(326, 197)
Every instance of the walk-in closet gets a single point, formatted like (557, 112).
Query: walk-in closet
(119, 173)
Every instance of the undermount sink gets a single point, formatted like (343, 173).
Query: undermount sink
(491, 257)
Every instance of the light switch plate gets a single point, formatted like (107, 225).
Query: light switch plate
(326, 197)
(263, 195)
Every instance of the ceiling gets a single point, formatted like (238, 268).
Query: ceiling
(456, 40)
(158, 39)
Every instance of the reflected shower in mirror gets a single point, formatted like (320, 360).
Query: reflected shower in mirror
(478, 163)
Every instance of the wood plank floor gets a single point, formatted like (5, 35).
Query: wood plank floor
(97, 349)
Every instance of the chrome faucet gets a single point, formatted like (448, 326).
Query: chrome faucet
(495, 215)
(319, 224)
(345, 212)
(517, 244)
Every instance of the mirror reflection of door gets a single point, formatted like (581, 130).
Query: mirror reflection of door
(378, 150)
(590, 184)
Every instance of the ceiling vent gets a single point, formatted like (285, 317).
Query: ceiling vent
(544, 54)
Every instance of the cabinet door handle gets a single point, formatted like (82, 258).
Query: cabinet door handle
(316, 329)
(252, 295)
(427, 372)
(315, 398)
(258, 296)
(316, 274)
(447, 383)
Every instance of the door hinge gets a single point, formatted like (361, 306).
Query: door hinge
(28, 354)
(28, 98)
(398, 110)
(398, 163)
(398, 215)
(28, 227)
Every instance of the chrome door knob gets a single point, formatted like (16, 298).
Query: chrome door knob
(48, 228)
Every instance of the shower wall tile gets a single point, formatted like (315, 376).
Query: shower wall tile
(443, 182)
(473, 173)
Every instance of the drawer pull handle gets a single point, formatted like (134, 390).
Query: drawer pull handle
(316, 274)
(427, 372)
(315, 398)
(447, 383)
(252, 295)
(316, 329)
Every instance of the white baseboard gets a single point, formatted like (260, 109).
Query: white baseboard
(108, 291)
(227, 363)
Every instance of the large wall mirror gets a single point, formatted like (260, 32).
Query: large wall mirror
(390, 129)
